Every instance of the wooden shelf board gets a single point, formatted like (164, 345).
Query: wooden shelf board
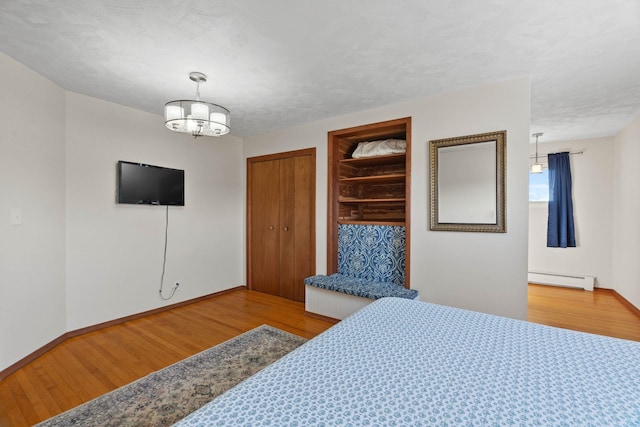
(379, 179)
(369, 222)
(353, 200)
(376, 160)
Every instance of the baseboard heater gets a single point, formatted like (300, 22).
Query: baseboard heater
(584, 282)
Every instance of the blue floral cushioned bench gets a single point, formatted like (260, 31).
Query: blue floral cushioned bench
(371, 263)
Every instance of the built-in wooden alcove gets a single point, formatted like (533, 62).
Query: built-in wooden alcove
(370, 190)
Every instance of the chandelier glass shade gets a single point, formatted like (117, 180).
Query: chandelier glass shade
(536, 168)
(197, 117)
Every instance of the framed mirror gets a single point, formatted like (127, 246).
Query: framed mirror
(467, 183)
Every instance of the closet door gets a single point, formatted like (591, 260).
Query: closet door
(296, 219)
(281, 219)
(264, 235)
(287, 229)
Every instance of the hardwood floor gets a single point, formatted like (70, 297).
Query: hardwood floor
(87, 366)
(598, 312)
(90, 365)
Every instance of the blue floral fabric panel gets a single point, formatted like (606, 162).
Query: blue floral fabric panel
(360, 287)
(399, 362)
(372, 252)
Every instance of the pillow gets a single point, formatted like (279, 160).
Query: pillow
(380, 148)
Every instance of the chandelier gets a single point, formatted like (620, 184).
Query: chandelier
(197, 117)
(536, 167)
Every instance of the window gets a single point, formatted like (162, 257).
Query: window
(539, 186)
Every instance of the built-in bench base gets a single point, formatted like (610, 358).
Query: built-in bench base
(332, 304)
(339, 296)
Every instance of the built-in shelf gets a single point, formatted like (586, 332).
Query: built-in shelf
(368, 190)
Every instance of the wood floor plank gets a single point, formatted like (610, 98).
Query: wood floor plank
(87, 366)
(31, 402)
(13, 399)
(60, 389)
(86, 385)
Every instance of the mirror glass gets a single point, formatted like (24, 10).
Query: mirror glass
(467, 183)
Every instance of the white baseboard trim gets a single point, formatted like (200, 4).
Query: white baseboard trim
(584, 282)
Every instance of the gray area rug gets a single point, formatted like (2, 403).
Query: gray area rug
(166, 396)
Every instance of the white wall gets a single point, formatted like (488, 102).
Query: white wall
(115, 252)
(480, 271)
(32, 169)
(592, 178)
(80, 259)
(626, 212)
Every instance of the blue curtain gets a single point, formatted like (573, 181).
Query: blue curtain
(560, 227)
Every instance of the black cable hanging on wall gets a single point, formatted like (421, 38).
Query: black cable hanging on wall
(164, 260)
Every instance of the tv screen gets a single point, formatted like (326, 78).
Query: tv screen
(142, 184)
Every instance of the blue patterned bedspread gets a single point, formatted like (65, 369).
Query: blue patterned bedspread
(399, 362)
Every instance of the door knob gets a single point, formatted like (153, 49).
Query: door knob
(271, 227)
(286, 228)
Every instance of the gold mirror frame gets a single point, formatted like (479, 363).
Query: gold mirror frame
(500, 137)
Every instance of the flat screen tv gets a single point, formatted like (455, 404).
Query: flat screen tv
(141, 184)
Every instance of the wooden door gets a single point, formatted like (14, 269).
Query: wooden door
(280, 222)
(264, 220)
(297, 200)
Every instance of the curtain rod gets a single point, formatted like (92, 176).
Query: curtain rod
(544, 154)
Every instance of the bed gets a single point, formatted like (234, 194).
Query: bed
(400, 362)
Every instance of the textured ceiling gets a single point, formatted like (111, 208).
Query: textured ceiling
(279, 63)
